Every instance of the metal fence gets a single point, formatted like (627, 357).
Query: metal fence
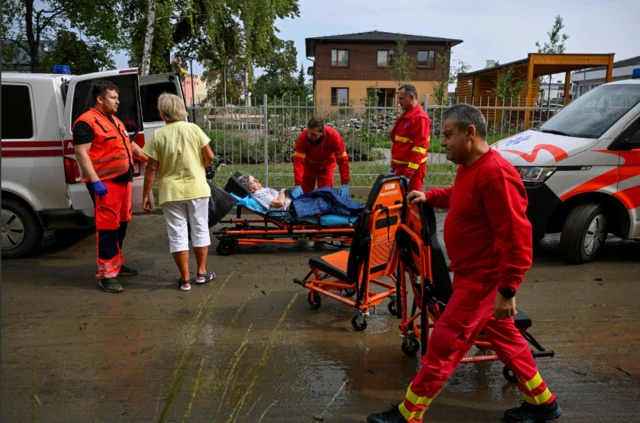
(260, 139)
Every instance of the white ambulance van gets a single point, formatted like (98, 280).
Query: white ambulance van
(581, 169)
(41, 180)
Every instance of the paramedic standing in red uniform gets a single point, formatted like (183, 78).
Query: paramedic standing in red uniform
(410, 139)
(314, 160)
(488, 238)
(105, 154)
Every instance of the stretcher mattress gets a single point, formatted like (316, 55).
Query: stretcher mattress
(325, 220)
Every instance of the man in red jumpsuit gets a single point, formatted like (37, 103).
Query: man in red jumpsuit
(488, 238)
(314, 160)
(410, 139)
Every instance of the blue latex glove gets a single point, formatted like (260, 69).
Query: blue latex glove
(99, 188)
(297, 192)
(344, 192)
(391, 170)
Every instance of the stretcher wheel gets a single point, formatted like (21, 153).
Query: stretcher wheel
(393, 307)
(226, 247)
(359, 326)
(349, 292)
(508, 375)
(314, 302)
(410, 346)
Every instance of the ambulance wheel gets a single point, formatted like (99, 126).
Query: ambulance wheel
(226, 247)
(314, 302)
(358, 326)
(508, 375)
(584, 232)
(393, 307)
(21, 230)
(410, 346)
(349, 292)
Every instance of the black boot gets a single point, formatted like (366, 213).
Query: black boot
(529, 413)
(391, 416)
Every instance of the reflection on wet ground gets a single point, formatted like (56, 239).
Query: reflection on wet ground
(248, 348)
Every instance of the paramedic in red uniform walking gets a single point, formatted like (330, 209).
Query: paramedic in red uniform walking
(317, 150)
(488, 238)
(105, 155)
(410, 139)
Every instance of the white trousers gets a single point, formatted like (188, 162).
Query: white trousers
(177, 213)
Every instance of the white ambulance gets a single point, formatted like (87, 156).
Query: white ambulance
(41, 180)
(581, 169)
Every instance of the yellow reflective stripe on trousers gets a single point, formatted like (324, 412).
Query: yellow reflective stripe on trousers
(538, 399)
(533, 383)
(402, 139)
(419, 150)
(415, 166)
(301, 155)
(417, 400)
(399, 162)
(410, 417)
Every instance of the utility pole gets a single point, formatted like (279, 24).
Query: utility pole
(148, 38)
(193, 96)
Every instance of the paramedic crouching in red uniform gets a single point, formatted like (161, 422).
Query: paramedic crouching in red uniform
(488, 238)
(105, 155)
(314, 160)
(410, 139)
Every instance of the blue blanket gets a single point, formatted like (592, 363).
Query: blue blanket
(324, 201)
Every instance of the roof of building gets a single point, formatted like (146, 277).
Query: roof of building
(620, 64)
(374, 36)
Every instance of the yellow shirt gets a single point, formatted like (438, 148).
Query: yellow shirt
(178, 147)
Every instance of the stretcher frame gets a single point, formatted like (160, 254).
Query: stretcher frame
(274, 227)
(341, 275)
(416, 262)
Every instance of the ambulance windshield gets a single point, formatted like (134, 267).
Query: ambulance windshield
(594, 112)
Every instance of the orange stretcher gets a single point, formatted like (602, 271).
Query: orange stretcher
(261, 226)
(372, 256)
(423, 273)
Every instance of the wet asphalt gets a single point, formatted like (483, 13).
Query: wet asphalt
(248, 348)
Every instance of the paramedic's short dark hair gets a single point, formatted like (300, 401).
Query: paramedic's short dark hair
(317, 123)
(100, 89)
(465, 115)
(409, 88)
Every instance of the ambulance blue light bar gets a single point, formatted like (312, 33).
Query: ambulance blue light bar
(65, 69)
(636, 74)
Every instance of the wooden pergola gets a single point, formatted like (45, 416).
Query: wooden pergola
(479, 85)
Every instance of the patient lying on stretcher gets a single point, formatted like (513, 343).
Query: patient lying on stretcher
(269, 198)
(319, 202)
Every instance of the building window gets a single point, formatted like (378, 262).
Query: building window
(340, 58)
(339, 96)
(385, 58)
(17, 115)
(384, 98)
(426, 58)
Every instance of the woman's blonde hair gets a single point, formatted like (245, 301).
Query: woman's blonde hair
(171, 107)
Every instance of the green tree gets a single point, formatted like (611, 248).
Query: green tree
(402, 65)
(555, 45)
(29, 25)
(448, 73)
(556, 41)
(79, 55)
(509, 86)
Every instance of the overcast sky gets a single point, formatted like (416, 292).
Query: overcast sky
(503, 30)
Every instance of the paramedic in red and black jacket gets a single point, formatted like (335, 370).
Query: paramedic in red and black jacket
(314, 160)
(106, 156)
(410, 139)
(488, 238)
